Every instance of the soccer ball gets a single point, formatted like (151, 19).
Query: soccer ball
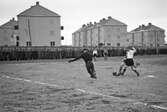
(114, 74)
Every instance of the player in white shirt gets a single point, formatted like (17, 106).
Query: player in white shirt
(95, 54)
(128, 62)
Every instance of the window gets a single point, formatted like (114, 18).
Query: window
(62, 27)
(52, 43)
(108, 44)
(118, 44)
(62, 37)
(28, 43)
(151, 45)
(17, 38)
(16, 27)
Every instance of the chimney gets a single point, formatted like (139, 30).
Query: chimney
(109, 17)
(90, 23)
(37, 3)
(103, 19)
(139, 27)
(13, 19)
(83, 25)
(143, 27)
(149, 24)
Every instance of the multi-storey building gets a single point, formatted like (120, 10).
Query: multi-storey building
(107, 32)
(147, 36)
(39, 26)
(9, 33)
(36, 26)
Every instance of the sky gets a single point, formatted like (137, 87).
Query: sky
(75, 13)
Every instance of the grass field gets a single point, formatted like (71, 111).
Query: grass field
(59, 86)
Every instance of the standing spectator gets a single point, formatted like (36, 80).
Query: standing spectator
(105, 53)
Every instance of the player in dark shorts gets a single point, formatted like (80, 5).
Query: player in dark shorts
(128, 62)
(95, 54)
(87, 57)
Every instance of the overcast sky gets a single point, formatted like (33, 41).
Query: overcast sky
(75, 13)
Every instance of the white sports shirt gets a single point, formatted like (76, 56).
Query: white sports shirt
(95, 52)
(130, 53)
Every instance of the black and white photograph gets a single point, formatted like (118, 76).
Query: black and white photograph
(83, 56)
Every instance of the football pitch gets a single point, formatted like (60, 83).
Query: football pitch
(59, 86)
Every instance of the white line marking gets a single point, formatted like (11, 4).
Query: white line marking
(27, 80)
(150, 76)
(99, 94)
(160, 107)
(82, 90)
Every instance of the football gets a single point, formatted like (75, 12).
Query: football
(114, 73)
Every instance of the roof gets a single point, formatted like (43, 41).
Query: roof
(148, 27)
(9, 25)
(155, 28)
(38, 11)
(112, 21)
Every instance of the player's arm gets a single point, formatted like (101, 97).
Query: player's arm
(134, 49)
(75, 59)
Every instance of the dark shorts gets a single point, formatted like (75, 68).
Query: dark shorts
(95, 55)
(129, 62)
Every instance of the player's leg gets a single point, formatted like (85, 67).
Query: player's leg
(94, 57)
(90, 69)
(121, 67)
(93, 71)
(135, 70)
(124, 70)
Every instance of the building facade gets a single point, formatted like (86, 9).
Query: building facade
(107, 32)
(9, 33)
(147, 36)
(39, 26)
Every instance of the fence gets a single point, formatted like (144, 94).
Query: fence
(33, 53)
